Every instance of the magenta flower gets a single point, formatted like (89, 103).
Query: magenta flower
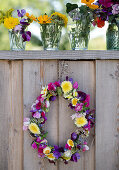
(51, 87)
(115, 9)
(57, 83)
(38, 106)
(87, 100)
(68, 147)
(79, 107)
(34, 145)
(37, 115)
(75, 85)
(106, 3)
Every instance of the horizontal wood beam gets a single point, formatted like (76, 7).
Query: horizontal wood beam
(61, 55)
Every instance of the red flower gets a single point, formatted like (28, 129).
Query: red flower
(100, 23)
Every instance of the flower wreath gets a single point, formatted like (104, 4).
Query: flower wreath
(83, 119)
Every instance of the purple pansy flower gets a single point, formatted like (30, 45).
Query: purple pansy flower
(81, 95)
(21, 13)
(18, 28)
(75, 157)
(26, 36)
(24, 22)
(73, 136)
(53, 98)
(56, 154)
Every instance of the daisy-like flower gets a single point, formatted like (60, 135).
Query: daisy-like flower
(44, 91)
(70, 142)
(47, 150)
(33, 127)
(80, 121)
(51, 156)
(11, 22)
(62, 16)
(74, 101)
(44, 19)
(31, 17)
(66, 86)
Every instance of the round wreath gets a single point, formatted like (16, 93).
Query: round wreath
(83, 119)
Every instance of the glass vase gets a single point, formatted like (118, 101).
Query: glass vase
(16, 41)
(79, 36)
(112, 37)
(50, 35)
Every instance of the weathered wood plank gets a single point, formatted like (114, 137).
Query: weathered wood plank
(36, 74)
(11, 115)
(16, 117)
(62, 55)
(107, 115)
(84, 73)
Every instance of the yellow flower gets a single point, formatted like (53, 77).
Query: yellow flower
(62, 16)
(44, 19)
(11, 22)
(70, 142)
(34, 128)
(89, 4)
(81, 121)
(46, 150)
(31, 17)
(66, 86)
(50, 156)
(74, 101)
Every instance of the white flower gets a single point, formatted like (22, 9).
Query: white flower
(44, 91)
(47, 103)
(67, 153)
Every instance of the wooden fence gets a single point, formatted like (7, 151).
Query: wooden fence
(21, 76)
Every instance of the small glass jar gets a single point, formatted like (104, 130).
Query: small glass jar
(79, 36)
(16, 41)
(50, 35)
(112, 37)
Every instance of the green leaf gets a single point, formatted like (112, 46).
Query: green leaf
(59, 91)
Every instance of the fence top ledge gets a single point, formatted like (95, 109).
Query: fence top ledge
(60, 55)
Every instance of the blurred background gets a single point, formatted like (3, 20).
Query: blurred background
(39, 7)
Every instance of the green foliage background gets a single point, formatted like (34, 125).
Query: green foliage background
(39, 7)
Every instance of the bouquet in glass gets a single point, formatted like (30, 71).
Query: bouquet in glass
(17, 27)
(109, 11)
(82, 18)
(51, 28)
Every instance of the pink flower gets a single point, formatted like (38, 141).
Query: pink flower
(43, 114)
(34, 145)
(38, 106)
(79, 107)
(57, 83)
(51, 87)
(87, 126)
(87, 100)
(38, 140)
(37, 115)
(75, 85)
(26, 123)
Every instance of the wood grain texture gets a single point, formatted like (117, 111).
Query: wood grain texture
(84, 73)
(11, 116)
(62, 55)
(107, 115)
(36, 74)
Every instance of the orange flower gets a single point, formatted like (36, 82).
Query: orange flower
(31, 17)
(89, 4)
(44, 19)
